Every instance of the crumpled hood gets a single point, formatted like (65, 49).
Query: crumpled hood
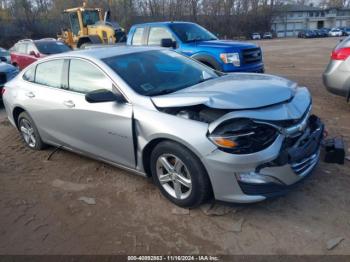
(226, 44)
(233, 91)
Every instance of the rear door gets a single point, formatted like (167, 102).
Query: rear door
(43, 94)
(100, 129)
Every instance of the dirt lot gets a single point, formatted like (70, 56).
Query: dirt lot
(41, 212)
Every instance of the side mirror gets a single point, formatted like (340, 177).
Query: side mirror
(168, 42)
(3, 59)
(32, 53)
(103, 95)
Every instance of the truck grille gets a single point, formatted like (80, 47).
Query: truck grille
(3, 79)
(252, 55)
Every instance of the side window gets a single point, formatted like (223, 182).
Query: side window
(156, 34)
(30, 74)
(50, 73)
(31, 48)
(22, 48)
(85, 77)
(138, 34)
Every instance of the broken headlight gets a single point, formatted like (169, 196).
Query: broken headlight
(243, 136)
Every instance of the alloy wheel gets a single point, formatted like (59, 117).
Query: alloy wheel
(174, 176)
(28, 133)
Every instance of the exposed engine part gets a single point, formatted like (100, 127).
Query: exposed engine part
(198, 113)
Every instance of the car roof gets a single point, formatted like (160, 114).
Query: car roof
(105, 52)
(163, 23)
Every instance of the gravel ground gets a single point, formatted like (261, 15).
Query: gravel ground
(74, 205)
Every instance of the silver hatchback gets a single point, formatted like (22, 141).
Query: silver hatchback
(336, 78)
(198, 133)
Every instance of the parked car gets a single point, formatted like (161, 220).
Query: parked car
(306, 34)
(7, 72)
(346, 31)
(320, 33)
(255, 36)
(196, 42)
(27, 51)
(324, 32)
(196, 131)
(5, 55)
(317, 33)
(335, 32)
(267, 35)
(336, 78)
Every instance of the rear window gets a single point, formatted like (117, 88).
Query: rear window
(30, 74)
(51, 47)
(137, 38)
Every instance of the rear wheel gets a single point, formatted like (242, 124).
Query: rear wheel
(180, 175)
(29, 132)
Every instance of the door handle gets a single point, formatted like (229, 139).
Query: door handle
(69, 103)
(30, 95)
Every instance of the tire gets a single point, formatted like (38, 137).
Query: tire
(29, 132)
(187, 175)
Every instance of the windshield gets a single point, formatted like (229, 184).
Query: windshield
(160, 72)
(192, 32)
(51, 47)
(90, 17)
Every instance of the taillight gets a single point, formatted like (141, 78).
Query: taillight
(3, 90)
(341, 54)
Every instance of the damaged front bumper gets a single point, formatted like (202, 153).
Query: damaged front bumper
(268, 173)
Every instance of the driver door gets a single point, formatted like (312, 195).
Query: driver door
(103, 130)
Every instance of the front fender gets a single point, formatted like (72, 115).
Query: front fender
(207, 58)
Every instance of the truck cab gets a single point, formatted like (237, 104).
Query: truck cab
(196, 42)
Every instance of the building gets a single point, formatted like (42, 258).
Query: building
(294, 18)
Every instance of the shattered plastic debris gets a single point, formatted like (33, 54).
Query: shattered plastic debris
(213, 209)
(334, 242)
(180, 211)
(237, 226)
(88, 200)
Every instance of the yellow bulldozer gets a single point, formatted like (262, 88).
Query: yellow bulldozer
(88, 26)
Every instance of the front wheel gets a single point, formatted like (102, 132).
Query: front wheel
(180, 175)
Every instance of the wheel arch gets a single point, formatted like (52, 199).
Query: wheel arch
(208, 60)
(16, 112)
(147, 150)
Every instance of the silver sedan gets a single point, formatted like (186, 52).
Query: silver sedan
(198, 133)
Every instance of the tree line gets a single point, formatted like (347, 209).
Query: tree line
(227, 18)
